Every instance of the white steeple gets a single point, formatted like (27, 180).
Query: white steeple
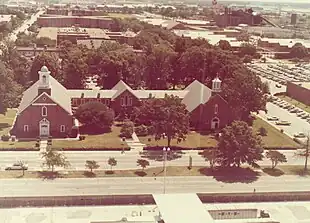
(44, 75)
(216, 85)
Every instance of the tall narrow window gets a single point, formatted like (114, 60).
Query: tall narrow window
(62, 128)
(123, 101)
(26, 128)
(44, 111)
(216, 109)
(129, 101)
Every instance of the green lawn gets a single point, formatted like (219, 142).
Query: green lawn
(193, 140)
(6, 121)
(106, 140)
(295, 102)
(274, 137)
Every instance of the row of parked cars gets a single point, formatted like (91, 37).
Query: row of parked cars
(280, 73)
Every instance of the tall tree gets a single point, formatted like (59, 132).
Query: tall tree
(299, 51)
(158, 67)
(305, 152)
(51, 61)
(169, 117)
(10, 91)
(238, 144)
(224, 45)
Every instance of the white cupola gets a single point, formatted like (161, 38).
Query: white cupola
(44, 81)
(44, 75)
(216, 85)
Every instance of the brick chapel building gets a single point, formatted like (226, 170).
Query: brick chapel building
(47, 108)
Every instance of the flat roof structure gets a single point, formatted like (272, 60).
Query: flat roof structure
(303, 84)
(182, 208)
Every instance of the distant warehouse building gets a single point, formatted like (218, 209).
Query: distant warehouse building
(300, 91)
(78, 21)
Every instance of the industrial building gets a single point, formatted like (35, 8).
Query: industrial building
(300, 91)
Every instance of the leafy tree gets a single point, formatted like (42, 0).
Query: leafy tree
(247, 59)
(112, 162)
(10, 91)
(53, 157)
(23, 165)
(238, 144)
(244, 93)
(95, 115)
(91, 164)
(210, 155)
(304, 152)
(127, 129)
(224, 45)
(275, 157)
(299, 51)
(75, 68)
(247, 49)
(50, 60)
(168, 117)
(143, 163)
(158, 67)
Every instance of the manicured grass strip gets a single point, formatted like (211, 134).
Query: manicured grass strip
(106, 140)
(193, 140)
(229, 175)
(274, 137)
(295, 102)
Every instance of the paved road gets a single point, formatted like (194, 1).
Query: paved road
(133, 185)
(13, 36)
(124, 161)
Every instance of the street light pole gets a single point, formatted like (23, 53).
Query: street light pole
(165, 151)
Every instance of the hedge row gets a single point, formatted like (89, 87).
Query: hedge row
(96, 149)
(155, 148)
(19, 149)
(146, 199)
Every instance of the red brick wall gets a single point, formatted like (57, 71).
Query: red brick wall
(298, 92)
(32, 116)
(202, 116)
(116, 104)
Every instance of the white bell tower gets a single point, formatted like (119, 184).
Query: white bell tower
(44, 81)
(216, 85)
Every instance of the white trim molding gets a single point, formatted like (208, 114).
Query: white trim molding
(44, 104)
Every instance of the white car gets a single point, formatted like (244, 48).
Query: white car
(17, 166)
(300, 135)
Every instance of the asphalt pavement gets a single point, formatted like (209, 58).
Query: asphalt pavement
(146, 185)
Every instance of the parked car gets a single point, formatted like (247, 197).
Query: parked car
(283, 123)
(17, 166)
(272, 118)
(293, 110)
(278, 85)
(299, 135)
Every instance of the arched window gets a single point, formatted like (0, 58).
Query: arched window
(44, 111)
(216, 108)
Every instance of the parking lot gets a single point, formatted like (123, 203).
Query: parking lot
(281, 114)
(281, 73)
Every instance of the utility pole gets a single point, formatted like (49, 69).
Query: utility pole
(307, 153)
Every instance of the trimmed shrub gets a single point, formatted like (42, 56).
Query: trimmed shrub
(5, 138)
(263, 131)
(127, 129)
(141, 130)
(82, 138)
(37, 145)
(13, 138)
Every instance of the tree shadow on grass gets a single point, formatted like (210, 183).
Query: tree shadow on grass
(109, 172)
(140, 173)
(231, 174)
(91, 130)
(273, 172)
(49, 175)
(4, 126)
(301, 172)
(89, 174)
(159, 156)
